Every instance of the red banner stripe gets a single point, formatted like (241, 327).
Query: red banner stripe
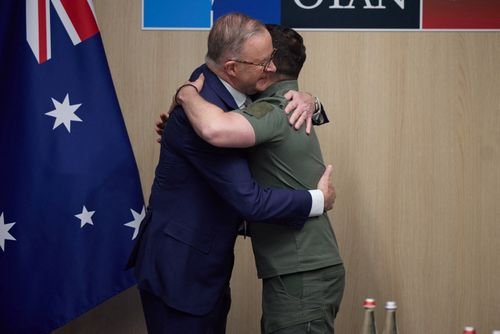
(461, 14)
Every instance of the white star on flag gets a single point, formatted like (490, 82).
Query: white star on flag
(64, 113)
(4, 232)
(136, 223)
(85, 217)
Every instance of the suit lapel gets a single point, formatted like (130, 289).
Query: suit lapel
(216, 85)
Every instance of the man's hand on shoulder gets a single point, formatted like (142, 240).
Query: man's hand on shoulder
(302, 106)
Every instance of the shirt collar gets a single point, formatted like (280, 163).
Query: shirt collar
(238, 97)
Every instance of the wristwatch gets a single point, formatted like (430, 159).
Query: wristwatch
(317, 105)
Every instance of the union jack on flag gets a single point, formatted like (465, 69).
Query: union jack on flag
(70, 196)
(78, 18)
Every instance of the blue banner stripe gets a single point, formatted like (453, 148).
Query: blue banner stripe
(177, 14)
(266, 11)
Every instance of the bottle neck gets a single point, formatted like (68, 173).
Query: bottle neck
(369, 326)
(390, 323)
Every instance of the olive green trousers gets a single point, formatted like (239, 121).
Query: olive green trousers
(304, 302)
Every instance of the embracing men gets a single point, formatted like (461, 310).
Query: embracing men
(301, 269)
(184, 254)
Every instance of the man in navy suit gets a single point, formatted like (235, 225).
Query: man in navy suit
(183, 255)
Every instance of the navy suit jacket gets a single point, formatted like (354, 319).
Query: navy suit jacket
(200, 194)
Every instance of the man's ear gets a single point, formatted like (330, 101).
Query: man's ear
(230, 68)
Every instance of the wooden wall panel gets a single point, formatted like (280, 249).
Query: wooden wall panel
(415, 144)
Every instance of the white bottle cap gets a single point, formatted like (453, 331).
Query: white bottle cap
(391, 305)
(469, 329)
(495, 332)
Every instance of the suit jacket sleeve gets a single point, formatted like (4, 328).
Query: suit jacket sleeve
(227, 172)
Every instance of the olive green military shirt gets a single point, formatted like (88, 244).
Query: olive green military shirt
(287, 158)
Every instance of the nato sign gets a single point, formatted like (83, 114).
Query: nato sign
(352, 14)
(329, 14)
(314, 14)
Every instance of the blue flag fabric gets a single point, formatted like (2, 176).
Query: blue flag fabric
(70, 196)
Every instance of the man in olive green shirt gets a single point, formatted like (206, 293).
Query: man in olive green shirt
(302, 271)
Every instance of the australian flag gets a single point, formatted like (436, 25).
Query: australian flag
(70, 195)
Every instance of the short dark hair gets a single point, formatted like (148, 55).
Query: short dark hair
(291, 53)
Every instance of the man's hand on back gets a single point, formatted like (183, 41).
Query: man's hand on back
(160, 126)
(327, 188)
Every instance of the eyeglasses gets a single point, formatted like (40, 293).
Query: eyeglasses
(264, 64)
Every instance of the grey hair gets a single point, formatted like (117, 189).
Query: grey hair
(228, 35)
